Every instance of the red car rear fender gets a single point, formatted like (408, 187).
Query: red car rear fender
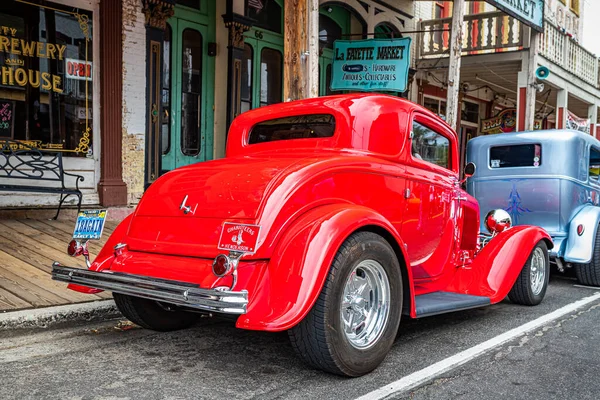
(498, 265)
(297, 270)
(106, 255)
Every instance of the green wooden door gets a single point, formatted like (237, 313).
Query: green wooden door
(334, 23)
(190, 123)
(262, 69)
(325, 65)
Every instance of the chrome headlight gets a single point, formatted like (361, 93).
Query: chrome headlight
(497, 221)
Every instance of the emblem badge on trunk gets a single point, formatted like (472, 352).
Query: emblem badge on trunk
(241, 238)
(187, 209)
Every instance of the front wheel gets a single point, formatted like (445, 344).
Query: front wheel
(531, 285)
(153, 315)
(354, 322)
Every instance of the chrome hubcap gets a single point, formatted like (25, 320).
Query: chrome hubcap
(537, 273)
(365, 304)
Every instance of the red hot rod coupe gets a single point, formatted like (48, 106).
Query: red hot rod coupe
(329, 218)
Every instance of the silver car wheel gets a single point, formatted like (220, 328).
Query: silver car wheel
(537, 271)
(365, 304)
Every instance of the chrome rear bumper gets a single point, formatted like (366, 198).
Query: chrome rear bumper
(173, 292)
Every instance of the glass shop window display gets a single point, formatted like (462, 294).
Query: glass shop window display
(46, 76)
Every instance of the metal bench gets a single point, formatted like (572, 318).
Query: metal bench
(23, 162)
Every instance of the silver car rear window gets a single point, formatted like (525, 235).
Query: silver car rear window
(520, 155)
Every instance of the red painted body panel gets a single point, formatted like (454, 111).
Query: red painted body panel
(308, 196)
(300, 263)
(497, 266)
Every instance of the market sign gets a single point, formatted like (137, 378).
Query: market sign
(371, 65)
(529, 12)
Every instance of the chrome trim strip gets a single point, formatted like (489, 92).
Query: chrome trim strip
(526, 176)
(174, 292)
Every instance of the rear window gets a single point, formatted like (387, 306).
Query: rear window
(296, 127)
(522, 155)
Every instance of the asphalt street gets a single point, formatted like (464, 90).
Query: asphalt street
(213, 360)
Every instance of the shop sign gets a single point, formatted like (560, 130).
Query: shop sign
(7, 109)
(529, 12)
(577, 124)
(371, 65)
(504, 122)
(78, 69)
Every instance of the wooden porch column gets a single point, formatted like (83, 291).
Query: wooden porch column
(562, 108)
(301, 53)
(111, 188)
(593, 116)
(531, 81)
(452, 110)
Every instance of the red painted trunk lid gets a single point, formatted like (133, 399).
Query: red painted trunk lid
(217, 191)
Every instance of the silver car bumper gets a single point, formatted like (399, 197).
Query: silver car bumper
(173, 292)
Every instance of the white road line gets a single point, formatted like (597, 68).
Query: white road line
(426, 374)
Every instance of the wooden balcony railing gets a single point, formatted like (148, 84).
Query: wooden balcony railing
(563, 51)
(482, 33)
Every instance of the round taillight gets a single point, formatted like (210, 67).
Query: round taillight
(72, 248)
(580, 229)
(497, 221)
(221, 265)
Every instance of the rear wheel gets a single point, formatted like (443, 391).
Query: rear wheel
(153, 315)
(354, 322)
(531, 285)
(589, 274)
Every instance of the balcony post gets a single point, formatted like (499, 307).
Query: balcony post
(456, 41)
(593, 116)
(531, 80)
(562, 107)
(522, 96)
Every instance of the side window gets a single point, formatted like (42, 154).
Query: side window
(430, 146)
(594, 167)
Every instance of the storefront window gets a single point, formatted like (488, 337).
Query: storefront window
(46, 76)
(191, 87)
(271, 65)
(246, 89)
(166, 93)
(266, 13)
(470, 112)
(329, 31)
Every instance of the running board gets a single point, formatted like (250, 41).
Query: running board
(445, 302)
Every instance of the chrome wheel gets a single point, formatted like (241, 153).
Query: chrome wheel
(537, 271)
(365, 304)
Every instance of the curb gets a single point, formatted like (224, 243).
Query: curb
(50, 316)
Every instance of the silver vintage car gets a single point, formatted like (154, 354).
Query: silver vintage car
(549, 179)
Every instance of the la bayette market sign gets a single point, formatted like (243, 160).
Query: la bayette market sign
(530, 12)
(371, 65)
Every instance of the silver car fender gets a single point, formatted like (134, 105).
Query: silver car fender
(579, 249)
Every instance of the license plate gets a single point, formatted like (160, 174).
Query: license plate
(89, 224)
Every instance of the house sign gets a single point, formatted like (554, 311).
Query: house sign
(529, 12)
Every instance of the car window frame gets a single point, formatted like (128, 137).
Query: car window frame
(441, 130)
(589, 161)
